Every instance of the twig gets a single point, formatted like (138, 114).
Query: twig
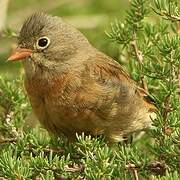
(10, 140)
(167, 99)
(74, 168)
(166, 107)
(3, 13)
(157, 167)
(167, 15)
(54, 150)
(133, 168)
(135, 174)
(139, 57)
(47, 149)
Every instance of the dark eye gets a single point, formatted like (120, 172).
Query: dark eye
(43, 42)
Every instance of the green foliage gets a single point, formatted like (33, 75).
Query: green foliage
(154, 52)
(150, 49)
(123, 32)
(14, 107)
(12, 166)
(168, 9)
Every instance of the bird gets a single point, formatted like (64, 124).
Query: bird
(74, 88)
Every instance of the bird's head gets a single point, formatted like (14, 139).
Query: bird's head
(44, 41)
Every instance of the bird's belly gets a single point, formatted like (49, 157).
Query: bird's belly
(63, 116)
(69, 120)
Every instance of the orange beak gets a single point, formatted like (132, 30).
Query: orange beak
(19, 54)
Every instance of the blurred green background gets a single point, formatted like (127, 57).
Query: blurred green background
(92, 17)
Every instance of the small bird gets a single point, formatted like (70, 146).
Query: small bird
(75, 88)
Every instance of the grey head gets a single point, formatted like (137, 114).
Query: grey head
(51, 40)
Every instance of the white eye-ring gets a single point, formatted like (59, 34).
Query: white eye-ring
(43, 42)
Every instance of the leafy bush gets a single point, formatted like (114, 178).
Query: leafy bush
(150, 49)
